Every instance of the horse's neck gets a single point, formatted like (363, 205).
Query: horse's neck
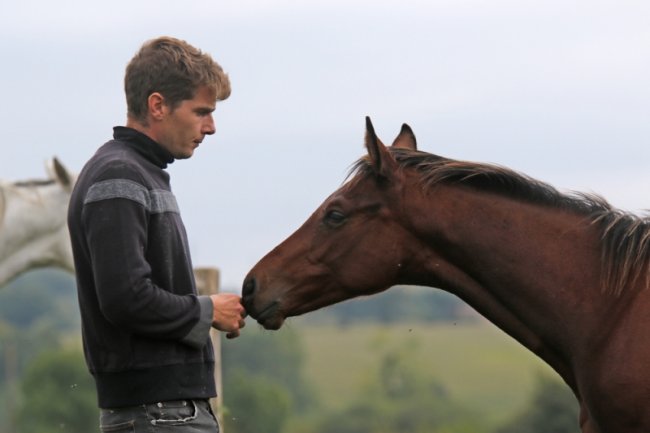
(45, 251)
(524, 267)
(33, 232)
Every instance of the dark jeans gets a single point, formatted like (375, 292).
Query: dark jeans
(187, 416)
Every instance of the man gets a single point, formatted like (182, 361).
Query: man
(145, 330)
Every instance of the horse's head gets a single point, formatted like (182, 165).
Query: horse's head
(351, 245)
(33, 229)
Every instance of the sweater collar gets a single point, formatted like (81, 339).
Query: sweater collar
(144, 145)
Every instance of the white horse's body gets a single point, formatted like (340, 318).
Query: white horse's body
(33, 223)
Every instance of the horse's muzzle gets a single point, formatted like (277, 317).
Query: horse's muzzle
(268, 315)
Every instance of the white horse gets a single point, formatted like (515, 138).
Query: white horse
(33, 223)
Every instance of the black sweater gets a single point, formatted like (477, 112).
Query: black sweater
(145, 331)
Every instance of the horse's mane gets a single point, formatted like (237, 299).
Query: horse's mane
(625, 237)
(33, 183)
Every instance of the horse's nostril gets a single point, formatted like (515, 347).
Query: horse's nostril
(249, 287)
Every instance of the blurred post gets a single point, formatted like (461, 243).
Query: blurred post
(11, 383)
(207, 283)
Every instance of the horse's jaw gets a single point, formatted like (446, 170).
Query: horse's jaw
(270, 317)
(272, 301)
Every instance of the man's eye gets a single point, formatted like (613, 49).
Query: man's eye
(334, 218)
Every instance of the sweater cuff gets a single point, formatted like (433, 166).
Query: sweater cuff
(199, 334)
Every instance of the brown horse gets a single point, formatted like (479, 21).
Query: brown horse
(564, 275)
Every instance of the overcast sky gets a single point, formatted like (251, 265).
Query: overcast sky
(557, 89)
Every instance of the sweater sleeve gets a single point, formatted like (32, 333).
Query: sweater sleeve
(197, 335)
(115, 218)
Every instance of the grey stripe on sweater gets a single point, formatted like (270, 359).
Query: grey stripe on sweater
(155, 201)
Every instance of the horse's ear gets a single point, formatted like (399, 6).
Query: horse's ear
(406, 139)
(61, 174)
(381, 159)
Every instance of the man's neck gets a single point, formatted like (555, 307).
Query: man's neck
(140, 127)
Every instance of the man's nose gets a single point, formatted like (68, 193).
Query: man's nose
(208, 126)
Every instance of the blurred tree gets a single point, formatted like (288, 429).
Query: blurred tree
(58, 395)
(263, 381)
(37, 311)
(553, 409)
(277, 356)
(40, 295)
(255, 404)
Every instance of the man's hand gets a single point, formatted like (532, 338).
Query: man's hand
(228, 313)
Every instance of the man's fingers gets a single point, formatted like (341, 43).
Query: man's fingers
(229, 314)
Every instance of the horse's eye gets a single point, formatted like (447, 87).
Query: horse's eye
(334, 218)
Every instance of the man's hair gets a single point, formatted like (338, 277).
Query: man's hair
(173, 68)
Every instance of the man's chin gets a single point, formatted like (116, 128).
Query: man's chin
(184, 155)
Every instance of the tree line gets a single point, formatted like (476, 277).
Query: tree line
(45, 386)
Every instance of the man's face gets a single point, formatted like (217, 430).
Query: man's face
(185, 127)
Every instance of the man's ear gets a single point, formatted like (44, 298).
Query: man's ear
(157, 106)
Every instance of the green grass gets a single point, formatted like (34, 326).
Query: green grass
(482, 368)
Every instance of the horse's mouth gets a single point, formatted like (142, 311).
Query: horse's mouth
(267, 314)
(270, 317)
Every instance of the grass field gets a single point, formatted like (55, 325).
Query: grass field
(481, 367)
